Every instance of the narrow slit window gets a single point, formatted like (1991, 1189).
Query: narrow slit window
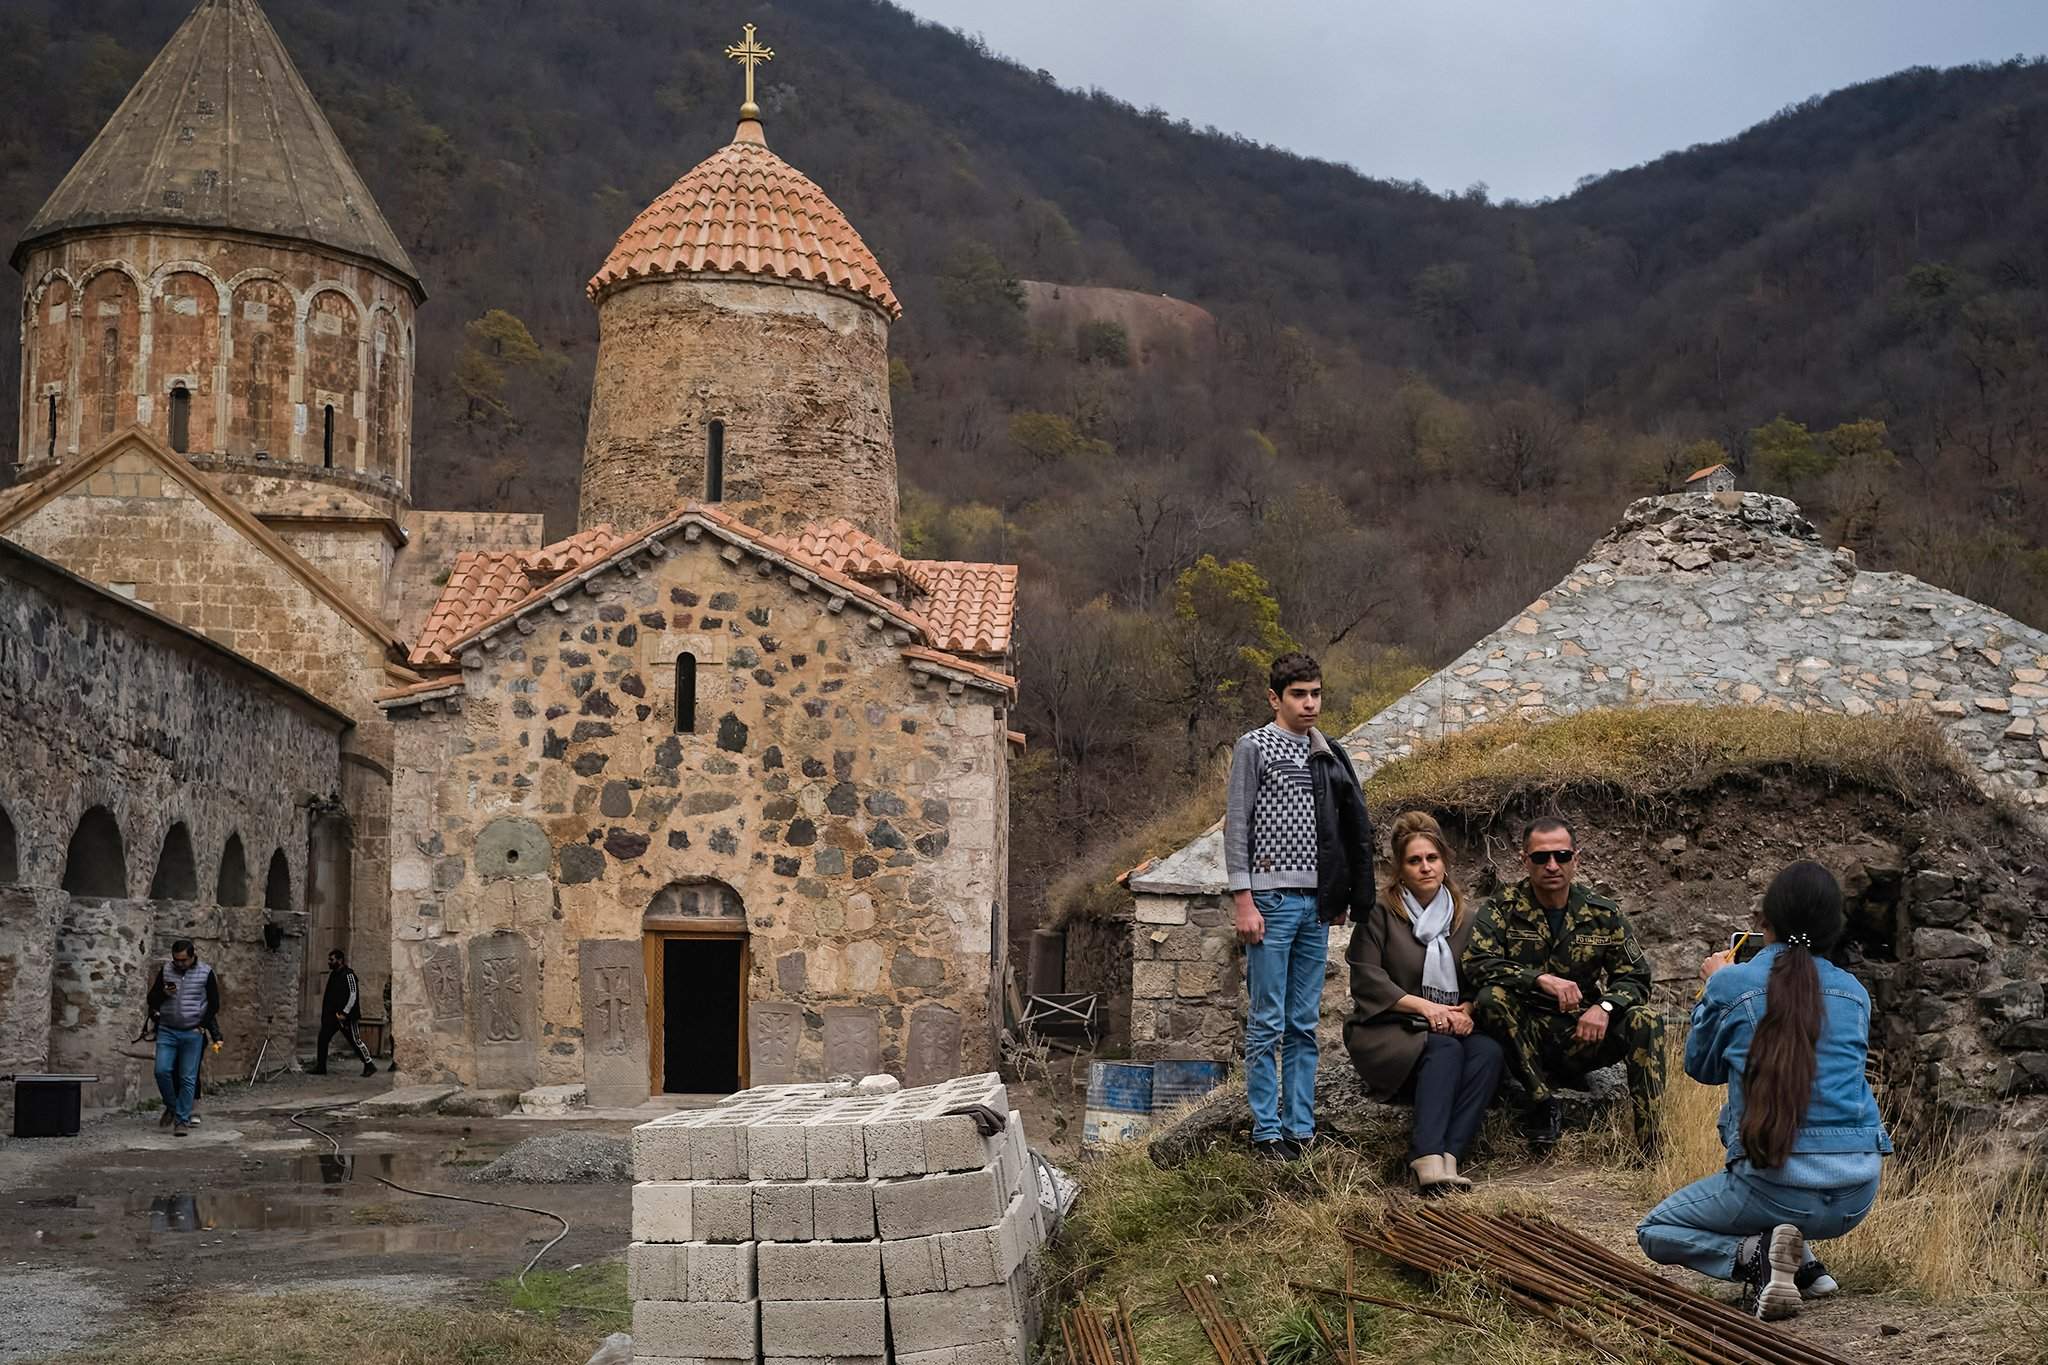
(714, 462)
(686, 693)
(181, 419)
(110, 378)
(327, 439)
(53, 426)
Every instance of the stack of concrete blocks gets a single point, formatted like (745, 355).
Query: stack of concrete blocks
(804, 1224)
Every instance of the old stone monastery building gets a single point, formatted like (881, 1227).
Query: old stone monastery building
(711, 792)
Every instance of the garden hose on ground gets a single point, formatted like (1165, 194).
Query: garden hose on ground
(329, 1138)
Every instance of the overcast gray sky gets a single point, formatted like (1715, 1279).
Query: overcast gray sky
(1526, 95)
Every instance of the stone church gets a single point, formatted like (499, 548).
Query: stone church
(709, 793)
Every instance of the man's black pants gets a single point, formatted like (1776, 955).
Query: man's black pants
(347, 1028)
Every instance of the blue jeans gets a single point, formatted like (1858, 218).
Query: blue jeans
(1284, 977)
(1702, 1225)
(177, 1068)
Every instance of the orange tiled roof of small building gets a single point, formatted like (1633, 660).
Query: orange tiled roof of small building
(483, 583)
(972, 607)
(744, 210)
(839, 544)
(1699, 474)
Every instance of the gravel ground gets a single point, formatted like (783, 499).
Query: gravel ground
(575, 1157)
(47, 1311)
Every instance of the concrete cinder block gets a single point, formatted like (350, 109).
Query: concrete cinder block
(974, 1258)
(783, 1211)
(661, 1151)
(776, 1150)
(821, 1360)
(823, 1328)
(718, 1151)
(820, 1270)
(718, 1272)
(953, 1317)
(953, 1143)
(663, 1210)
(979, 1353)
(843, 1211)
(697, 1331)
(895, 1147)
(914, 1265)
(835, 1151)
(927, 1204)
(651, 1272)
(721, 1212)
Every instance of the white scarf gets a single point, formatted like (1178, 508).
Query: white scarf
(1432, 928)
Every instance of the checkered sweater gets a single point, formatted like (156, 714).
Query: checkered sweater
(1269, 823)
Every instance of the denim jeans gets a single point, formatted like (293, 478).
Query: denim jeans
(1702, 1225)
(1284, 977)
(177, 1068)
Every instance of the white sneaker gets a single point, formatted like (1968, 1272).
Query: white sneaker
(1814, 1281)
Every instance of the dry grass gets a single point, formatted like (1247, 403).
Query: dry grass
(319, 1329)
(1640, 753)
(1953, 1220)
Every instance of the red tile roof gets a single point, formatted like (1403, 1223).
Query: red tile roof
(482, 584)
(744, 210)
(972, 607)
(1698, 474)
(839, 544)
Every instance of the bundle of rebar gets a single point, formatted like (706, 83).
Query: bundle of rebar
(1099, 1339)
(1224, 1331)
(1551, 1271)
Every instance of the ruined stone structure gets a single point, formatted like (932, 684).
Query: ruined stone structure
(1719, 598)
(159, 786)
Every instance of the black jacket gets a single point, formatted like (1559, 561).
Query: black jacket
(343, 995)
(1344, 844)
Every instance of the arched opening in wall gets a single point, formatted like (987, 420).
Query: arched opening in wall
(181, 418)
(52, 452)
(714, 462)
(277, 885)
(110, 378)
(10, 852)
(694, 936)
(177, 871)
(329, 888)
(686, 694)
(231, 887)
(95, 863)
(327, 438)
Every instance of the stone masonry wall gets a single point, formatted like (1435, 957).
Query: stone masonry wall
(799, 377)
(265, 337)
(856, 811)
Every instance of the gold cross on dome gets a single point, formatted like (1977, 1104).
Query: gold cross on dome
(750, 54)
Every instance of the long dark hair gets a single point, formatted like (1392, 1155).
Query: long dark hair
(1803, 907)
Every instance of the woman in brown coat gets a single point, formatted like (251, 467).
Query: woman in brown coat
(1409, 1033)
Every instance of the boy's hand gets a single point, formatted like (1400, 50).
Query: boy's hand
(1251, 925)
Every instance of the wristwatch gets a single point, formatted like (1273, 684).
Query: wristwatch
(1607, 1005)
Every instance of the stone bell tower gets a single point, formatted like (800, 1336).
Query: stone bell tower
(743, 334)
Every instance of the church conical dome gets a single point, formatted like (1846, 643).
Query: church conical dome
(745, 211)
(221, 132)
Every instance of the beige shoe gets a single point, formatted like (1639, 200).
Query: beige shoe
(1429, 1176)
(1451, 1176)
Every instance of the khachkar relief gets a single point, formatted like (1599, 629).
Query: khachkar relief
(441, 969)
(502, 996)
(613, 975)
(853, 1041)
(774, 1030)
(934, 1052)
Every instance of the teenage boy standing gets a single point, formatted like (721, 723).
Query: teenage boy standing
(1297, 848)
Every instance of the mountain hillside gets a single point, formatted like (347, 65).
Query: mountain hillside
(1417, 409)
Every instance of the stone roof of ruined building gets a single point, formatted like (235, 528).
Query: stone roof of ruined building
(1723, 599)
(975, 603)
(745, 211)
(221, 132)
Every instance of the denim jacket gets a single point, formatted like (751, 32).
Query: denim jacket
(1841, 1116)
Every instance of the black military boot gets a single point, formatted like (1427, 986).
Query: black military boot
(1543, 1123)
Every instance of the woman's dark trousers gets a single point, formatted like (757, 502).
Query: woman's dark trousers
(1454, 1082)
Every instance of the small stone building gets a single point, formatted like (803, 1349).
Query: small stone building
(1715, 478)
(159, 786)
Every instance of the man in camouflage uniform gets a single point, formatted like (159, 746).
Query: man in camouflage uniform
(1558, 979)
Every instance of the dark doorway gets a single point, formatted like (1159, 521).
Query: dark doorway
(700, 1003)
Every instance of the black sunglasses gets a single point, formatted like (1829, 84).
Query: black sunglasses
(1546, 856)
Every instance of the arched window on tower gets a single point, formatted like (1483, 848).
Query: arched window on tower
(714, 462)
(110, 377)
(181, 418)
(327, 439)
(53, 426)
(686, 693)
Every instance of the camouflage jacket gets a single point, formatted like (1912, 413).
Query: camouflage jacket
(1511, 946)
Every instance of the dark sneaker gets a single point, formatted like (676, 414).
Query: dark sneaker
(1300, 1147)
(1814, 1281)
(167, 1120)
(369, 1068)
(1768, 1268)
(1273, 1149)
(180, 1130)
(1543, 1124)
(316, 1071)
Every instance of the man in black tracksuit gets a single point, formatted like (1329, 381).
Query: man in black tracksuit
(339, 1010)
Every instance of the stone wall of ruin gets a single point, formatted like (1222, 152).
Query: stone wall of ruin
(798, 376)
(857, 813)
(265, 338)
